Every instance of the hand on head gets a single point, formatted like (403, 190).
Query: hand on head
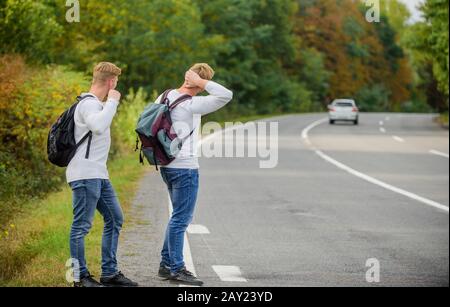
(193, 80)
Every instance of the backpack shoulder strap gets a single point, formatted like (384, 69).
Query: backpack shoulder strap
(81, 98)
(88, 135)
(164, 98)
(177, 102)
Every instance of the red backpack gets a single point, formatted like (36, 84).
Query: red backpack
(159, 142)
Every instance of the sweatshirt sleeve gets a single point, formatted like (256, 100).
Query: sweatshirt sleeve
(218, 97)
(96, 118)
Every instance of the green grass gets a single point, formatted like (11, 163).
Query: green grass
(34, 246)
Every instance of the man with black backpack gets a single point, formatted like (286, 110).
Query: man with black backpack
(181, 174)
(87, 174)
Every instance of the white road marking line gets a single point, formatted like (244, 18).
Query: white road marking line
(305, 131)
(368, 178)
(229, 273)
(398, 139)
(439, 153)
(381, 123)
(189, 262)
(225, 273)
(382, 130)
(387, 118)
(198, 229)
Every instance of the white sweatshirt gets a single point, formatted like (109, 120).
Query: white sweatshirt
(92, 115)
(186, 117)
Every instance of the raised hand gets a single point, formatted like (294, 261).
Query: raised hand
(113, 94)
(194, 80)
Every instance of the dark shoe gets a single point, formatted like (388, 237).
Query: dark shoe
(185, 277)
(87, 282)
(164, 272)
(119, 280)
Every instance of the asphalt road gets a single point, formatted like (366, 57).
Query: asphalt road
(307, 222)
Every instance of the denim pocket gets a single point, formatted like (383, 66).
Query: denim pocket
(77, 184)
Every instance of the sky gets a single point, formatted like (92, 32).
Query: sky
(412, 5)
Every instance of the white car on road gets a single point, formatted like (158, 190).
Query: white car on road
(343, 110)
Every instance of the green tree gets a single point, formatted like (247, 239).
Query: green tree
(358, 55)
(312, 72)
(159, 42)
(428, 45)
(29, 28)
(436, 42)
(398, 14)
(258, 47)
(387, 36)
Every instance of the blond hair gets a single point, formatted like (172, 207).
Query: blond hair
(203, 70)
(105, 71)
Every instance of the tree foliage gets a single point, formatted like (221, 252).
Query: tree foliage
(427, 43)
(434, 39)
(277, 56)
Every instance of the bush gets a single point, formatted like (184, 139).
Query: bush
(373, 99)
(416, 106)
(30, 28)
(301, 99)
(123, 128)
(31, 99)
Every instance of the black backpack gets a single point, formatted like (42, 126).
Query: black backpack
(61, 144)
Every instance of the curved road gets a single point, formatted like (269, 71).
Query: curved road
(307, 222)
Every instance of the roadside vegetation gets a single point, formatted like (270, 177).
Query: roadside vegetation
(278, 56)
(35, 243)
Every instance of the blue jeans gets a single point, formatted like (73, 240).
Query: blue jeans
(183, 187)
(90, 195)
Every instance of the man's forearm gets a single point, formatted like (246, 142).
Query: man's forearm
(99, 122)
(202, 83)
(218, 97)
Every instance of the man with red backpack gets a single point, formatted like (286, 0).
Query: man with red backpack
(181, 174)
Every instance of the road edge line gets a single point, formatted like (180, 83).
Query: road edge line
(439, 153)
(189, 260)
(348, 169)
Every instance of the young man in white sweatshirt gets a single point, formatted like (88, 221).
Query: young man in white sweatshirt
(88, 177)
(182, 176)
